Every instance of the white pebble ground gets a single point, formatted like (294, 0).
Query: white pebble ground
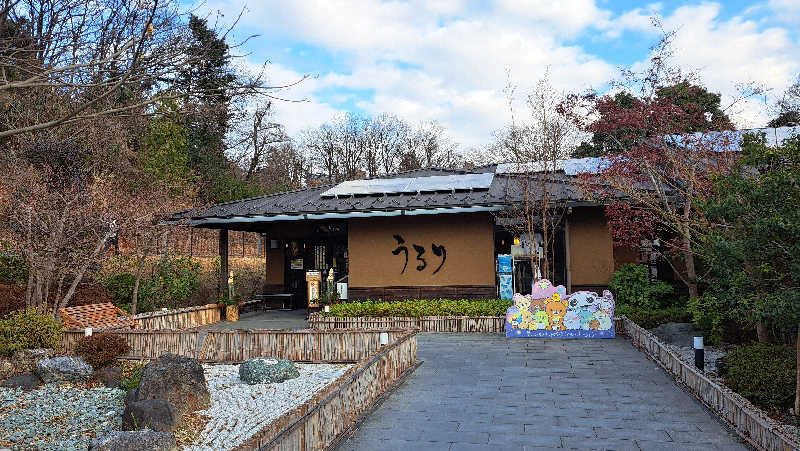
(238, 410)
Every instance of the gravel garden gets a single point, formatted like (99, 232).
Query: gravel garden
(93, 400)
(242, 399)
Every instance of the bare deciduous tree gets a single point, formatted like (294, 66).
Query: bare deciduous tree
(535, 147)
(94, 58)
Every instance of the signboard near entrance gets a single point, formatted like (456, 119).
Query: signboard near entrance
(549, 313)
(313, 278)
(296, 263)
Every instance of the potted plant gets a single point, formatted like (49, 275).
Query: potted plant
(231, 304)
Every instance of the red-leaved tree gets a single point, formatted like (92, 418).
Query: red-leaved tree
(663, 139)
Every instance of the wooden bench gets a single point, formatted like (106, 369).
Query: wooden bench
(96, 316)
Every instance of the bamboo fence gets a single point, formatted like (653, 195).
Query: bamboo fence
(749, 422)
(476, 324)
(320, 421)
(239, 345)
(184, 318)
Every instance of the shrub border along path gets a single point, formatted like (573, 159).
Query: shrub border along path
(750, 422)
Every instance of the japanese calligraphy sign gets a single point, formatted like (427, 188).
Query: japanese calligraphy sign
(438, 250)
(549, 312)
(425, 251)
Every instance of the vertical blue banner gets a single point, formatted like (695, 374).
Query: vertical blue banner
(506, 287)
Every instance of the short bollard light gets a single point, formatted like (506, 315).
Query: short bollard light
(87, 332)
(699, 354)
(384, 338)
(327, 308)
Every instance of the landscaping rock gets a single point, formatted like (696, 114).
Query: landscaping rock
(25, 359)
(267, 371)
(63, 369)
(135, 441)
(156, 414)
(7, 368)
(109, 376)
(132, 396)
(179, 380)
(680, 334)
(27, 381)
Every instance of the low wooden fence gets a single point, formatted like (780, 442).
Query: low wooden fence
(184, 318)
(473, 324)
(320, 421)
(750, 422)
(239, 345)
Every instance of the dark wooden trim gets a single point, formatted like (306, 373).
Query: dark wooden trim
(223, 261)
(399, 293)
(596, 288)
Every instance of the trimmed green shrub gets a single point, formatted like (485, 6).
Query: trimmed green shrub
(416, 308)
(13, 269)
(708, 317)
(764, 374)
(631, 285)
(29, 329)
(102, 349)
(650, 318)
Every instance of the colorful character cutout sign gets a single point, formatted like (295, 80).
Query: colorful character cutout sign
(549, 312)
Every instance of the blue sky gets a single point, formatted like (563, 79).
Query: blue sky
(446, 60)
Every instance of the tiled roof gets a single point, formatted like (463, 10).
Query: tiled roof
(504, 189)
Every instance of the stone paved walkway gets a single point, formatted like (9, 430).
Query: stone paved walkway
(482, 392)
(270, 319)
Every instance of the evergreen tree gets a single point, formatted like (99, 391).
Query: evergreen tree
(210, 78)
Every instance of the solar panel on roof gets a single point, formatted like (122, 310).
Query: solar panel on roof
(411, 185)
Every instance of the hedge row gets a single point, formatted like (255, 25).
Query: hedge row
(650, 318)
(421, 307)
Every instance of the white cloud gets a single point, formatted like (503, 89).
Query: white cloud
(302, 108)
(735, 51)
(455, 56)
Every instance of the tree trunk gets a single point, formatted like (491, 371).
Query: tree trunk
(81, 271)
(797, 385)
(691, 272)
(139, 270)
(762, 333)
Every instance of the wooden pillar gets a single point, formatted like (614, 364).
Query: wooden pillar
(568, 270)
(223, 261)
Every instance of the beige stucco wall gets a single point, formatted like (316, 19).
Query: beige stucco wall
(591, 252)
(467, 238)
